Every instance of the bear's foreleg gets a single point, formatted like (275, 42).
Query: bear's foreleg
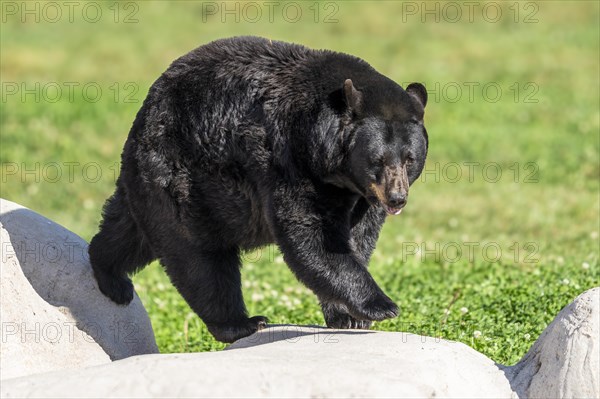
(366, 223)
(314, 236)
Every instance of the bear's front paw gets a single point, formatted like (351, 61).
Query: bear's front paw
(378, 307)
(232, 331)
(336, 316)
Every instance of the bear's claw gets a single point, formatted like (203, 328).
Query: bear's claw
(376, 309)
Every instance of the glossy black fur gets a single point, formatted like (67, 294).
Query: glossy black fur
(245, 142)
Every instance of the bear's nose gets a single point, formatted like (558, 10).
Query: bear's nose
(397, 200)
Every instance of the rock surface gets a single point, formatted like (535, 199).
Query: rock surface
(292, 361)
(564, 361)
(53, 315)
(36, 336)
(289, 361)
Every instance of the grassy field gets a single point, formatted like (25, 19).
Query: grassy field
(501, 231)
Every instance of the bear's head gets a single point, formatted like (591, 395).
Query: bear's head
(389, 140)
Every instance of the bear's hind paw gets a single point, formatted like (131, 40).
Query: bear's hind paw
(118, 289)
(231, 332)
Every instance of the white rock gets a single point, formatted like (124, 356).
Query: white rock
(47, 289)
(564, 361)
(289, 362)
(36, 336)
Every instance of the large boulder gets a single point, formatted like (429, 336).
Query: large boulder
(36, 336)
(292, 361)
(289, 362)
(53, 314)
(564, 361)
(45, 296)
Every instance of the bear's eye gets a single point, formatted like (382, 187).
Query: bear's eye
(378, 162)
(378, 166)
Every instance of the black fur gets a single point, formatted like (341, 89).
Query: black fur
(245, 142)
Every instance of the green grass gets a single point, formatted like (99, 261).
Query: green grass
(545, 219)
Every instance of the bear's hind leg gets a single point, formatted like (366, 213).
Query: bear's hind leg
(118, 249)
(210, 282)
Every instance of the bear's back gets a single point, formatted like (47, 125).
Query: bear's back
(245, 59)
(237, 100)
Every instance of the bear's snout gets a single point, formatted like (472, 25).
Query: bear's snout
(397, 200)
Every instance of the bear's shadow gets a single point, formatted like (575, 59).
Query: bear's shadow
(292, 333)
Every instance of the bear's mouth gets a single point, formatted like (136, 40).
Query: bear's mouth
(377, 195)
(392, 211)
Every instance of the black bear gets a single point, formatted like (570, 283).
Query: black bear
(245, 142)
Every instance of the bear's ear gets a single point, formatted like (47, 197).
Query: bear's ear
(418, 92)
(353, 96)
